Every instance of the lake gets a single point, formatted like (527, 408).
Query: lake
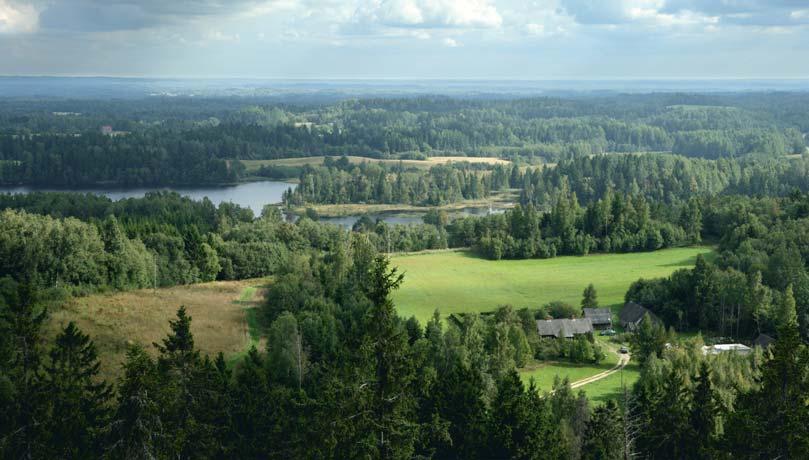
(253, 195)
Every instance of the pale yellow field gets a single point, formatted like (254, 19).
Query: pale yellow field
(219, 312)
(254, 165)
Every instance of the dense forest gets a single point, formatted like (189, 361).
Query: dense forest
(339, 182)
(178, 141)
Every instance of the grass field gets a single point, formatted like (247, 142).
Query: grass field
(254, 165)
(499, 200)
(544, 373)
(224, 318)
(610, 387)
(456, 282)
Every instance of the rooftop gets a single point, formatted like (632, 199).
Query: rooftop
(564, 328)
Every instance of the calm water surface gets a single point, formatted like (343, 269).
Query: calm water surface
(253, 195)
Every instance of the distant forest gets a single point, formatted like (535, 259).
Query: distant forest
(163, 141)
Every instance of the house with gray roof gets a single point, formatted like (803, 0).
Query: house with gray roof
(632, 315)
(564, 328)
(600, 317)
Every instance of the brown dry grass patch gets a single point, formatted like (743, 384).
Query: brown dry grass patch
(115, 321)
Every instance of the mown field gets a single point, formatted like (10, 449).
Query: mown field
(223, 315)
(456, 282)
(254, 165)
(599, 391)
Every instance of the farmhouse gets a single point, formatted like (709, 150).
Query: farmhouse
(726, 348)
(600, 317)
(564, 328)
(632, 315)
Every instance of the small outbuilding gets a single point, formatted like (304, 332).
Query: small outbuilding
(600, 317)
(632, 315)
(764, 341)
(564, 328)
(737, 348)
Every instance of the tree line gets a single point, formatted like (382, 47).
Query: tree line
(340, 183)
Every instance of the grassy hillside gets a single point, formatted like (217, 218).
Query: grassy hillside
(223, 318)
(461, 282)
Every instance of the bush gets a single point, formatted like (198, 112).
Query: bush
(558, 309)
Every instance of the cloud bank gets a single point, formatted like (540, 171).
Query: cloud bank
(480, 37)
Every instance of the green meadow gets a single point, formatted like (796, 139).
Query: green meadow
(456, 282)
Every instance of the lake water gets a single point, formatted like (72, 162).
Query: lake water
(253, 195)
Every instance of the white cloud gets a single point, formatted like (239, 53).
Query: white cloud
(17, 18)
(644, 12)
(429, 14)
(450, 42)
(219, 36)
(535, 29)
(799, 14)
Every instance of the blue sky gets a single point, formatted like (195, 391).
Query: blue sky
(412, 39)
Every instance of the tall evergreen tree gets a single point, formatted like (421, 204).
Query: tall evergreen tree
(137, 430)
(392, 401)
(705, 412)
(773, 421)
(78, 400)
(589, 297)
(22, 435)
(604, 434)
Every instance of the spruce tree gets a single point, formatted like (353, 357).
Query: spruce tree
(78, 399)
(22, 435)
(773, 422)
(604, 434)
(705, 410)
(392, 402)
(137, 430)
(589, 297)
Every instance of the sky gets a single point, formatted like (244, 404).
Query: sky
(407, 39)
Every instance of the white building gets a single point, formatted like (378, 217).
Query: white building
(726, 348)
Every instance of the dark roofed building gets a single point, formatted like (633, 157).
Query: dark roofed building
(600, 317)
(632, 315)
(764, 341)
(564, 328)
